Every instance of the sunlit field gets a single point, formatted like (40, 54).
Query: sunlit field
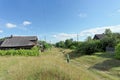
(52, 65)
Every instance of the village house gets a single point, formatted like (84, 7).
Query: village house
(18, 42)
(101, 36)
(98, 36)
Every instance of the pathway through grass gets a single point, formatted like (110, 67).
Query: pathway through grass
(52, 65)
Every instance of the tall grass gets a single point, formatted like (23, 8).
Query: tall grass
(52, 66)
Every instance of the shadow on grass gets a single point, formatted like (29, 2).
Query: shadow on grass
(106, 65)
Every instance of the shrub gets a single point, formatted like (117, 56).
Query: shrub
(23, 52)
(73, 47)
(89, 47)
(117, 51)
(107, 42)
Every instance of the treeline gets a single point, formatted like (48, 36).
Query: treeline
(90, 46)
(68, 44)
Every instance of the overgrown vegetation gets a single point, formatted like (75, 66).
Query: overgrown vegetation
(53, 66)
(45, 45)
(117, 51)
(22, 52)
(68, 44)
(91, 46)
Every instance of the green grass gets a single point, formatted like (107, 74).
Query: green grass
(102, 65)
(52, 65)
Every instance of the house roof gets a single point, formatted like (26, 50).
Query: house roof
(18, 41)
(26, 37)
(99, 36)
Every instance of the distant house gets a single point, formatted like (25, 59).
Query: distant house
(98, 36)
(18, 42)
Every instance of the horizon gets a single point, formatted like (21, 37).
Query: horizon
(58, 20)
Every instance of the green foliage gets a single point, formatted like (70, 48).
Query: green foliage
(89, 47)
(108, 32)
(72, 47)
(45, 44)
(60, 44)
(117, 51)
(23, 52)
(107, 42)
(116, 36)
(89, 38)
(68, 43)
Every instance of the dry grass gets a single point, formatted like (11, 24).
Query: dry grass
(50, 65)
(45, 67)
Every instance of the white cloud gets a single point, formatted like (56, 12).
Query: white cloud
(1, 31)
(25, 23)
(10, 25)
(82, 15)
(64, 36)
(99, 30)
(85, 33)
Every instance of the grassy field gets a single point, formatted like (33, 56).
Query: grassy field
(52, 65)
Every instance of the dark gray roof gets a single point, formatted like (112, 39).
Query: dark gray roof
(19, 41)
(99, 36)
(26, 37)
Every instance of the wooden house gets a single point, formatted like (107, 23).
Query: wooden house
(18, 42)
(98, 36)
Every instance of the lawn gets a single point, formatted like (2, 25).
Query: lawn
(52, 65)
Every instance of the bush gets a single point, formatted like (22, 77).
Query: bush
(23, 52)
(117, 51)
(107, 42)
(89, 47)
(45, 45)
(73, 47)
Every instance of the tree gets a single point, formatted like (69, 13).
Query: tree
(68, 43)
(60, 44)
(108, 32)
(89, 47)
(117, 51)
(44, 44)
(116, 36)
(89, 38)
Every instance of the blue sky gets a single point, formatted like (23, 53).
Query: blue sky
(58, 20)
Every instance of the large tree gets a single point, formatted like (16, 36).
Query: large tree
(68, 43)
(108, 32)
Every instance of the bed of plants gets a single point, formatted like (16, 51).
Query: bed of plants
(23, 52)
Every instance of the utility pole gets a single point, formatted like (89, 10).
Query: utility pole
(45, 38)
(77, 37)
